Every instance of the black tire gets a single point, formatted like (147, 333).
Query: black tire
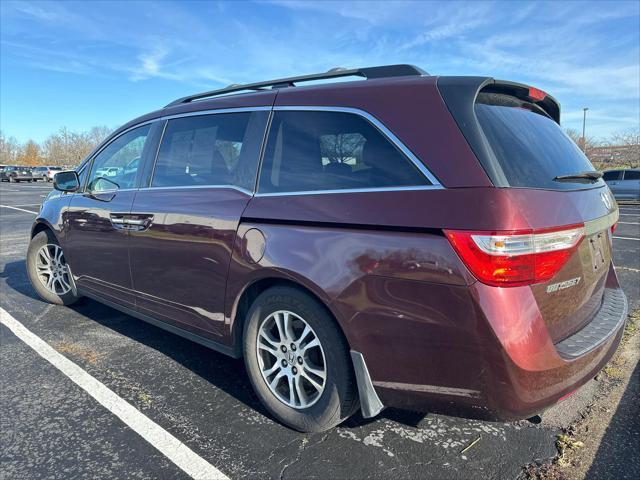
(38, 241)
(339, 398)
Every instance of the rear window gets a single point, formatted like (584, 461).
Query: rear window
(529, 147)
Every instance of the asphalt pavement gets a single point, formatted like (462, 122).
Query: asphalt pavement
(50, 427)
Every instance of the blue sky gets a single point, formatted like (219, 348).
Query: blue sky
(80, 64)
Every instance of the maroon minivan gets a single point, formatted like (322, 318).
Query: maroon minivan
(407, 240)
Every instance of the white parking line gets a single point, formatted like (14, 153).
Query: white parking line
(186, 459)
(629, 223)
(27, 205)
(20, 209)
(628, 238)
(628, 215)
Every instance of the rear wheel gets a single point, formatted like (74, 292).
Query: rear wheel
(298, 361)
(48, 270)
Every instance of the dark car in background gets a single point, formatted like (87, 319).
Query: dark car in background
(624, 183)
(407, 240)
(16, 174)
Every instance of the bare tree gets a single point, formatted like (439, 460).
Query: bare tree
(342, 147)
(589, 142)
(628, 143)
(9, 150)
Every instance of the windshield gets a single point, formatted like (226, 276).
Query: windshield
(530, 147)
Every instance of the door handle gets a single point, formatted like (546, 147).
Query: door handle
(138, 221)
(118, 221)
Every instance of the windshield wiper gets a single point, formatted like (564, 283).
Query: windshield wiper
(581, 177)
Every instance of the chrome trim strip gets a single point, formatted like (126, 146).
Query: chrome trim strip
(198, 113)
(370, 403)
(412, 387)
(602, 223)
(351, 190)
(189, 187)
(379, 125)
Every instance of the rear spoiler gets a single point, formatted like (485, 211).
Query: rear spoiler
(460, 93)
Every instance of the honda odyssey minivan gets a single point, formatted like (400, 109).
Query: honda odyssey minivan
(402, 240)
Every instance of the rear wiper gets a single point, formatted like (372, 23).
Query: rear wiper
(582, 177)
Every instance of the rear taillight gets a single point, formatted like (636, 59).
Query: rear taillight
(511, 258)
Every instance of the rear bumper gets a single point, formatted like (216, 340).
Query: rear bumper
(501, 364)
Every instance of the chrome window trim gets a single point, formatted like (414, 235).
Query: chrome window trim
(376, 123)
(435, 184)
(200, 187)
(351, 190)
(198, 113)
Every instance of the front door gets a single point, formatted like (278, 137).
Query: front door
(187, 220)
(96, 241)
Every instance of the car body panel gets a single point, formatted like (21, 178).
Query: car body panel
(179, 263)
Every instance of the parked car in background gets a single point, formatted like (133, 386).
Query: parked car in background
(45, 174)
(430, 243)
(108, 172)
(624, 183)
(13, 174)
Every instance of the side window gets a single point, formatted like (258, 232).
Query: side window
(116, 166)
(611, 175)
(217, 149)
(632, 175)
(83, 173)
(308, 151)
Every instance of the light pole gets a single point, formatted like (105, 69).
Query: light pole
(584, 124)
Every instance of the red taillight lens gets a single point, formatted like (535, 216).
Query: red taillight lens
(614, 227)
(518, 257)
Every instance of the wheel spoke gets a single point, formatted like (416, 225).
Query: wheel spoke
(276, 380)
(273, 369)
(302, 394)
(57, 252)
(282, 332)
(312, 381)
(292, 390)
(64, 282)
(304, 334)
(313, 343)
(318, 373)
(271, 345)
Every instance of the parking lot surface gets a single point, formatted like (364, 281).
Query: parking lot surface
(53, 428)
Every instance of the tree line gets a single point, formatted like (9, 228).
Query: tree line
(61, 148)
(69, 148)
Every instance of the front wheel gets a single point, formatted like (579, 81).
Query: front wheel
(298, 361)
(48, 270)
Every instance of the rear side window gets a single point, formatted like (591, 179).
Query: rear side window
(529, 147)
(311, 151)
(612, 175)
(632, 175)
(219, 149)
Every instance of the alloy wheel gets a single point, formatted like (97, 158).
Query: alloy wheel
(291, 359)
(52, 269)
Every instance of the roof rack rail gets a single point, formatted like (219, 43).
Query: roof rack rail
(384, 71)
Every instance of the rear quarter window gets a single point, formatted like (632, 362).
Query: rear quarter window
(530, 148)
(326, 151)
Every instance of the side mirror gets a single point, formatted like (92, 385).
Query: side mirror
(66, 181)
